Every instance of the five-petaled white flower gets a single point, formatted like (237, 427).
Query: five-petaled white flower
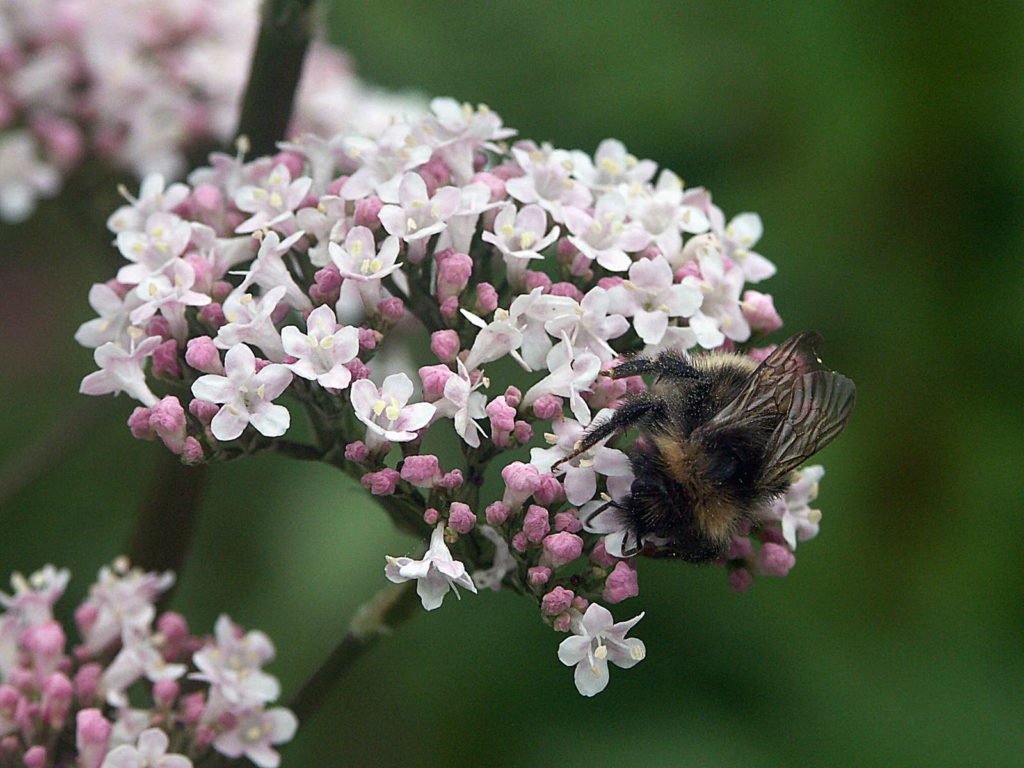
(247, 395)
(324, 350)
(121, 369)
(384, 411)
(435, 574)
(598, 640)
(150, 751)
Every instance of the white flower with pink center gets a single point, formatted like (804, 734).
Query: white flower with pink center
(612, 165)
(651, 298)
(580, 479)
(419, 215)
(358, 258)
(793, 510)
(520, 235)
(150, 751)
(247, 395)
(597, 640)
(323, 350)
(273, 201)
(606, 237)
(120, 601)
(254, 733)
(163, 240)
(546, 181)
(121, 369)
(386, 411)
(458, 130)
(435, 574)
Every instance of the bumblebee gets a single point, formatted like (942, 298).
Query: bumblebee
(719, 437)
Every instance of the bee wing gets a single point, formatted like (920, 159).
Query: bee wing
(792, 387)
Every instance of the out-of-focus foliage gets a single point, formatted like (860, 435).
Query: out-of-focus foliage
(882, 147)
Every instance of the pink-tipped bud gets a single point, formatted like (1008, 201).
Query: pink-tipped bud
(46, 644)
(521, 480)
(174, 628)
(167, 418)
(431, 516)
(193, 707)
(213, 315)
(381, 483)
(368, 212)
(740, 580)
(392, 309)
(501, 414)
(422, 471)
(460, 517)
(138, 423)
(494, 183)
(580, 603)
(533, 279)
(85, 617)
(568, 521)
(434, 377)
(562, 623)
(57, 693)
(599, 555)
(165, 692)
(759, 310)
(203, 410)
(192, 452)
(556, 601)
(740, 548)
(567, 289)
(203, 269)
(536, 524)
(369, 339)
(550, 491)
(519, 542)
(523, 432)
(35, 757)
(538, 576)
(434, 173)
(450, 309)
(87, 680)
(207, 198)
(358, 369)
(496, 513)
(10, 701)
(561, 548)
(453, 272)
(775, 560)
(547, 407)
(621, 583)
(92, 732)
(165, 360)
(486, 300)
(452, 480)
(610, 282)
(357, 452)
(445, 344)
(201, 354)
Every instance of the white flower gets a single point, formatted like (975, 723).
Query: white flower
(269, 271)
(149, 752)
(504, 563)
(246, 394)
(570, 375)
(435, 574)
(605, 236)
(612, 165)
(253, 734)
(418, 216)
(250, 322)
(651, 298)
(112, 323)
(742, 233)
(163, 240)
(233, 664)
(385, 411)
(121, 369)
(546, 180)
(520, 236)
(464, 404)
(323, 352)
(273, 201)
(590, 327)
(793, 510)
(598, 640)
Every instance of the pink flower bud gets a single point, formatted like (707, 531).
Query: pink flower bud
(450, 309)
(57, 693)
(740, 580)
(201, 354)
(523, 432)
(335, 187)
(493, 182)
(599, 555)
(550, 490)
(460, 517)
(452, 480)
(203, 410)
(453, 272)
(165, 692)
(561, 548)
(46, 644)
(606, 391)
(435, 174)
(538, 576)
(92, 732)
(434, 377)
(174, 628)
(167, 418)
(740, 548)
(192, 452)
(759, 310)
(367, 213)
(213, 315)
(513, 396)
(445, 344)
(567, 521)
(138, 423)
(521, 480)
(496, 513)
(547, 407)
(381, 483)
(580, 603)
(165, 360)
(774, 560)
(35, 757)
(358, 369)
(87, 680)
(610, 282)
(422, 471)
(533, 279)
(486, 299)
(621, 583)
(771, 534)
(369, 338)
(562, 623)
(519, 542)
(431, 516)
(501, 414)
(556, 601)
(193, 706)
(567, 289)
(357, 452)
(207, 198)
(85, 617)
(391, 309)
(535, 524)
(63, 139)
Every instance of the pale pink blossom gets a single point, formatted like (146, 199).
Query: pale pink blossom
(121, 369)
(417, 214)
(323, 351)
(435, 574)
(597, 640)
(272, 201)
(386, 411)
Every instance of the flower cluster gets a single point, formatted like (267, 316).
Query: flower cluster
(267, 288)
(136, 85)
(81, 706)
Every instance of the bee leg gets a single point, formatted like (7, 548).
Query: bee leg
(634, 410)
(672, 365)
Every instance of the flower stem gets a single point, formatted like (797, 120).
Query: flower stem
(385, 612)
(284, 36)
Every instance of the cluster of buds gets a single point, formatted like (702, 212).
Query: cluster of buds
(136, 85)
(299, 284)
(83, 706)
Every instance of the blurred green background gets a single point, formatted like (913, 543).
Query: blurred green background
(882, 145)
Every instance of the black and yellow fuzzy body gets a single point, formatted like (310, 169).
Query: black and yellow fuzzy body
(719, 437)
